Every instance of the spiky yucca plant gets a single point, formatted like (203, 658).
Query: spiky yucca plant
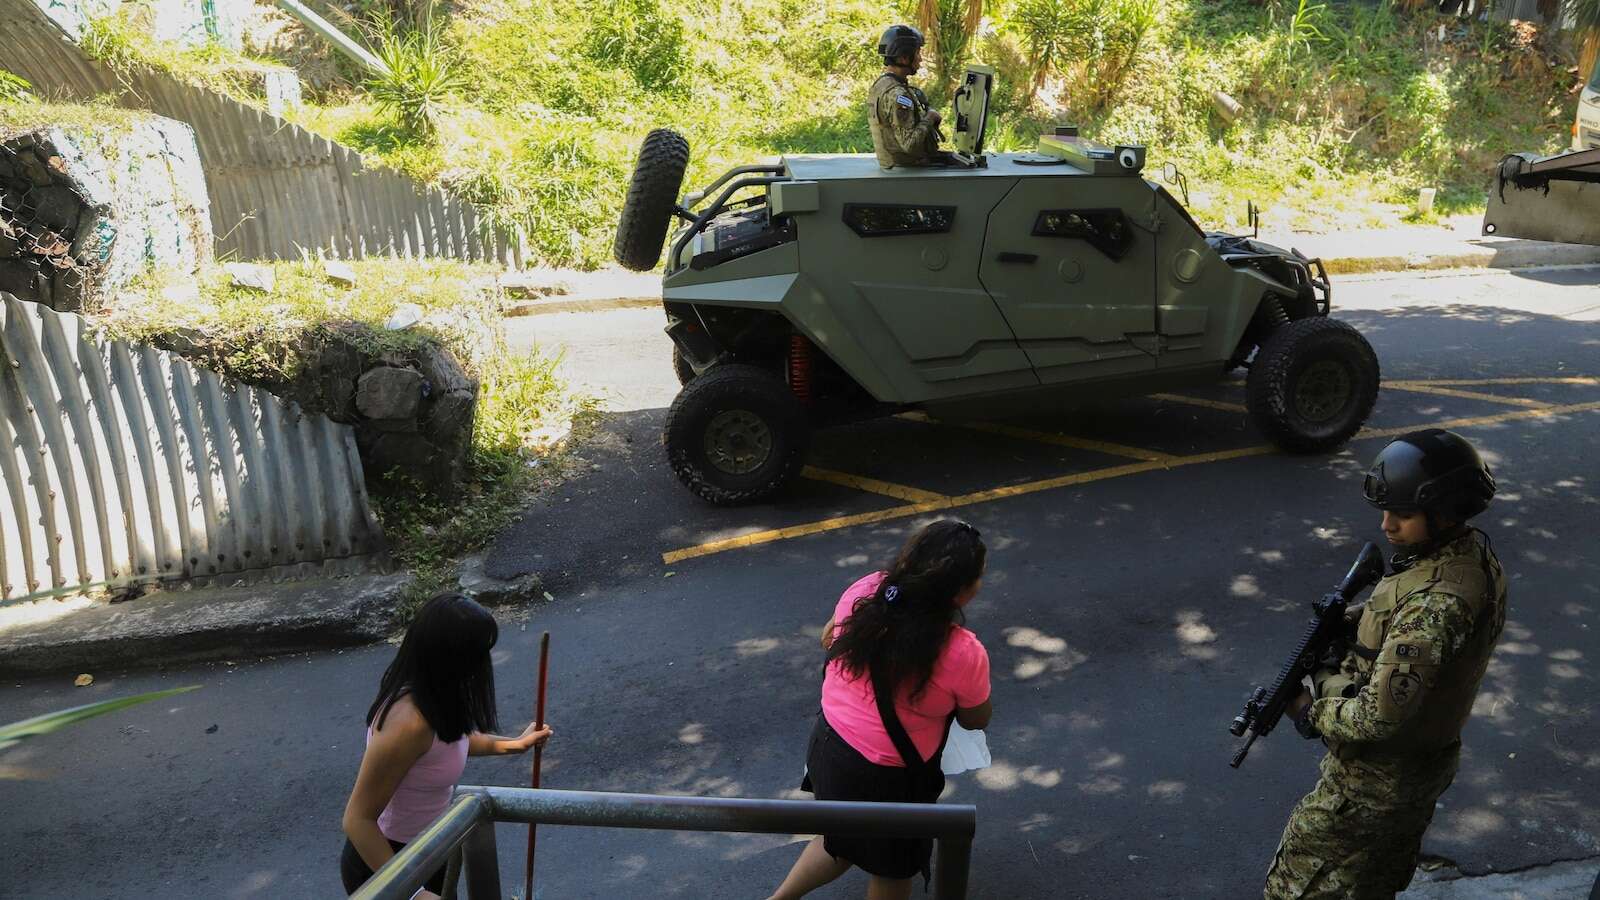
(421, 74)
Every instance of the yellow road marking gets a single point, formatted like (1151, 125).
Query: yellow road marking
(1471, 382)
(1046, 437)
(1478, 382)
(1197, 401)
(794, 531)
(871, 485)
(757, 538)
(1417, 387)
(1475, 421)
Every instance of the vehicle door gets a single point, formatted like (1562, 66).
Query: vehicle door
(898, 260)
(1070, 261)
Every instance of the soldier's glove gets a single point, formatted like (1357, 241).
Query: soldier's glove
(1302, 724)
(1330, 683)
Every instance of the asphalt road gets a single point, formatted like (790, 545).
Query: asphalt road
(1126, 616)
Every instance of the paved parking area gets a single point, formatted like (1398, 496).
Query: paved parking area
(1157, 433)
(1150, 562)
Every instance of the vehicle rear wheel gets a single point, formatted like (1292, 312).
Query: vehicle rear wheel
(652, 194)
(1312, 384)
(680, 366)
(736, 434)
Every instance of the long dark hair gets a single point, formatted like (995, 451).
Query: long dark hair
(902, 637)
(444, 666)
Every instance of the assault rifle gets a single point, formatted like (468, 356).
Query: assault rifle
(1327, 631)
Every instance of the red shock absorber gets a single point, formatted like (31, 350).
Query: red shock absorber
(800, 368)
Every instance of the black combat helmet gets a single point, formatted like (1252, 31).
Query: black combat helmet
(1432, 471)
(898, 41)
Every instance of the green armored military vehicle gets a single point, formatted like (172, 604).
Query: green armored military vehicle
(820, 289)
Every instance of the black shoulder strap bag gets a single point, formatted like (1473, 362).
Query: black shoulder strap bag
(925, 778)
(925, 774)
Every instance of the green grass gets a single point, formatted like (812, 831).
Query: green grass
(122, 40)
(521, 445)
(1349, 108)
(256, 335)
(26, 113)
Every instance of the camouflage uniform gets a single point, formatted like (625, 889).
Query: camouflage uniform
(902, 132)
(1392, 721)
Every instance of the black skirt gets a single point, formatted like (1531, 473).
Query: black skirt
(837, 771)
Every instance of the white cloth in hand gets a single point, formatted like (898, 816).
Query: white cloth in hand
(965, 750)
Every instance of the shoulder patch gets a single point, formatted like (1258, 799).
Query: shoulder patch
(1403, 688)
(905, 101)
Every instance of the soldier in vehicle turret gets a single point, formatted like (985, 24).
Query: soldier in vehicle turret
(905, 129)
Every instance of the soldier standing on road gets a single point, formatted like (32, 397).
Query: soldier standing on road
(1392, 714)
(905, 130)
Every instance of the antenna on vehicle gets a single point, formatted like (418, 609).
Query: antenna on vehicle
(1252, 214)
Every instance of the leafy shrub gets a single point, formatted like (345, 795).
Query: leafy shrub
(14, 87)
(1418, 118)
(1092, 42)
(422, 75)
(637, 36)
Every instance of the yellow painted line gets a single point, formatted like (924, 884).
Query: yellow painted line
(1197, 401)
(757, 538)
(1421, 388)
(1483, 382)
(871, 485)
(1046, 437)
(1476, 421)
(778, 534)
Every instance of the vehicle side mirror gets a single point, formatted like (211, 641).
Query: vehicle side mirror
(1171, 175)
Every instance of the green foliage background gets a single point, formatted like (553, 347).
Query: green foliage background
(1349, 107)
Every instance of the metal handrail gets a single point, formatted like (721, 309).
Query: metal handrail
(468, 823)
(710, 212)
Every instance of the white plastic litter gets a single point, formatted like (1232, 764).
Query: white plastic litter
(965, 751)
(405, 315)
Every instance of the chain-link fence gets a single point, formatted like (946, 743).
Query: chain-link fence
(45, 223)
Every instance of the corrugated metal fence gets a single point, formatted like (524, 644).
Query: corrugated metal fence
(125, 465)
(274, 186)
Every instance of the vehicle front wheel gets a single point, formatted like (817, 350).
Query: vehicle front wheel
(1312, 384)
(736, 434)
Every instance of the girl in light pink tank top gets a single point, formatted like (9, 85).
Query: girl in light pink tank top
(435, 707)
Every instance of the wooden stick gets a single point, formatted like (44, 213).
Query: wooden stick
(538, 759)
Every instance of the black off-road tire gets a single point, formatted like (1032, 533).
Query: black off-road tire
(652, 194)
(681, 367)
(1312, 385)
(719, 410)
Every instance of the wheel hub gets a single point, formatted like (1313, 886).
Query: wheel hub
(1323, 389)
(738, 442)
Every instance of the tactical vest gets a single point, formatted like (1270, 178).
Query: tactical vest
(1466, 569)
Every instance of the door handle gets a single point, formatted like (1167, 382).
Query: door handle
(1009, 256)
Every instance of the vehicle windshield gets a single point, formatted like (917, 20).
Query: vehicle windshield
(1594, 77)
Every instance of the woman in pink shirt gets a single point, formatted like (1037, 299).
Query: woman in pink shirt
(435, 707)
(901, 631)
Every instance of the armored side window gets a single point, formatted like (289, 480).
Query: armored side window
(1106, 230)
(885, 219)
